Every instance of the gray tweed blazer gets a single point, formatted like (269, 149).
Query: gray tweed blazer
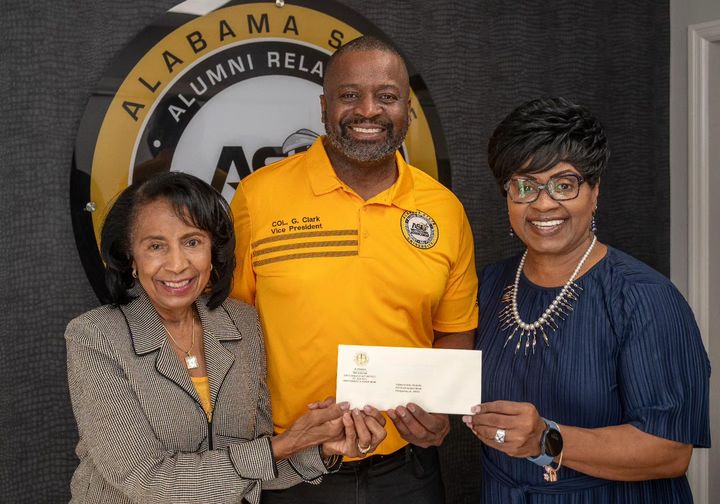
(144, 436)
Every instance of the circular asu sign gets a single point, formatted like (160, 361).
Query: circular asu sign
(219, 91)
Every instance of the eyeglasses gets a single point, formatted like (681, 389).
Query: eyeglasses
(561, 187)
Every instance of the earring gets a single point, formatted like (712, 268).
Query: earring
(593, 226)
(511, 233)
(134, 273)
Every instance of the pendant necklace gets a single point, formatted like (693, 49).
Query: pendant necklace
(190, 360)
(560, 308)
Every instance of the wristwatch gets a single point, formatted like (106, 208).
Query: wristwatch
(551, 444)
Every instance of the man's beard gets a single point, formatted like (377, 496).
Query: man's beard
(366, 152)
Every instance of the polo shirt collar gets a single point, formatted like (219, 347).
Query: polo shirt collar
(324, 180)
(402, 193)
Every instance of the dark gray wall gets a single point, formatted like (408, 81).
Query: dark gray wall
(479, 59)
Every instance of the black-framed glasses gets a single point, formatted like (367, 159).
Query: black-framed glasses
(563, 187)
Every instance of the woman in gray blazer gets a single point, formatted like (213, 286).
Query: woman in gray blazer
(168, 381)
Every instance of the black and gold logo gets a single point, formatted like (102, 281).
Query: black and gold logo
(419, 229)
(219, 93)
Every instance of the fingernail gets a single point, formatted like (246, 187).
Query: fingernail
(401, 412)
(344, 405)
(466, 418)
(411, 407)
(391, 414)
(476, 409)
(356, 411)
(367, 409)
(312, 405)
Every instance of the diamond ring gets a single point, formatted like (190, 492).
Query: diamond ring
(499, 436)
(363, 450)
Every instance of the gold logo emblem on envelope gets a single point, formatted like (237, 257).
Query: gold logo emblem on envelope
(361, 359)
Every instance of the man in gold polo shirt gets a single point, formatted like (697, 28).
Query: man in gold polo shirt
(347, 243)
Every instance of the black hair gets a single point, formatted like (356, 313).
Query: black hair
(196, 203)
(363, 43)
(543, 132)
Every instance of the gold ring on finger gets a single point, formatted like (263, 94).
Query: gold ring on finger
(364, 450)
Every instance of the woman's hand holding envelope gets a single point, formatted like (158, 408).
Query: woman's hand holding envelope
(363, 431)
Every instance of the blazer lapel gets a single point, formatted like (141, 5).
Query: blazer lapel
(217, 327)
(168, 365)
(148, 335)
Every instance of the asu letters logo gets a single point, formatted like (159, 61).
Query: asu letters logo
(219, 94)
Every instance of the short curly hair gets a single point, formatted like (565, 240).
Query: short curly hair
(543, 132)
(196, 203)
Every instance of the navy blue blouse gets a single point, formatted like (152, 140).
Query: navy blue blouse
(630, 352)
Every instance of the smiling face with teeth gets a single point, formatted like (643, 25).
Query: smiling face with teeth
(549, 227)
(172, 259)
(366, 105)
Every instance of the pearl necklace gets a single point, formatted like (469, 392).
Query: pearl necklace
(559, 308)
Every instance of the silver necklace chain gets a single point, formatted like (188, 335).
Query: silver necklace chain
(559, 309)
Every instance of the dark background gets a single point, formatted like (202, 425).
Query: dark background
(479, 59)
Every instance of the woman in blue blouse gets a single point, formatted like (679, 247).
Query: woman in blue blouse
(592, 361)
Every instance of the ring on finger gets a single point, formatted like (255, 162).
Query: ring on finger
(363, 450)
(499, 436)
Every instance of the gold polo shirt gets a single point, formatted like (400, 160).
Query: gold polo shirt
(324, 267)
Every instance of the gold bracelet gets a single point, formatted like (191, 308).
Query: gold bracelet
(551, 475)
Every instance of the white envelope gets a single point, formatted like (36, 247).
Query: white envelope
(436, 379)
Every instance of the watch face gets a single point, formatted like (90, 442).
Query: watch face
(553, 442)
